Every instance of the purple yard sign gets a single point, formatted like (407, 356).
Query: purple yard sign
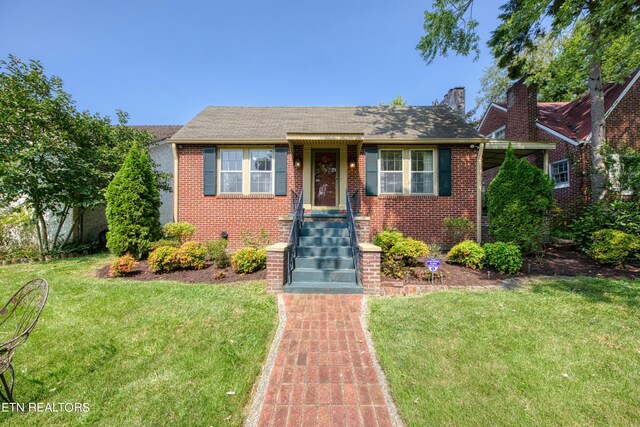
(433, 264)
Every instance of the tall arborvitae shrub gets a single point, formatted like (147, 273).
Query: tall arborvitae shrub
(517, 201)
(133, 204)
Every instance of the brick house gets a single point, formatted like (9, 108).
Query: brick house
(242, 169)
(568, 124)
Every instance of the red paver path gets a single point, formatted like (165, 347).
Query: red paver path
(323, 374)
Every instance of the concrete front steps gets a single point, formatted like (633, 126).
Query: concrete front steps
(324, 264)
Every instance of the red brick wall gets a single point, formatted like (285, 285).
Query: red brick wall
(421, 217)
(624, 122)
(418, 216)
(494, 120)
(234, 214)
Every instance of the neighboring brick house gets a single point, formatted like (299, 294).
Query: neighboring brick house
(568, 124)
(411, 167)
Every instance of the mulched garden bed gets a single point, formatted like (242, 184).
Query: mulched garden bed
(206, 275)
(560, 259)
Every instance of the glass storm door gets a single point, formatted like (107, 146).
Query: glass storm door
(325, 177)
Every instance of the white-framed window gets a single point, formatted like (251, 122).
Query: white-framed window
(407, 171)
(391, 171)
(422, 172)
(261, 171)
(231, 161)
(559, 173)
(498, 133)
(246, 170)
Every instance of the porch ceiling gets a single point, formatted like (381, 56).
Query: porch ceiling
(494, 151)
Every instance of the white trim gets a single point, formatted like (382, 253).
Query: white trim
(486, 113)
(622, 95)
(562, 184)
(556, 134)
(492, 135)
(246, 170)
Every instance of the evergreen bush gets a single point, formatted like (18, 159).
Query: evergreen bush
(613, 246)
(248, 260)
(517, 201)
(133, 204)
(504, 257)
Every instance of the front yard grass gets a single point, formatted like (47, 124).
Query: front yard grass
(139, 353)
(556, 353)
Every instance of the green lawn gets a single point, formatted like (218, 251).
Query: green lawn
(159, 353)
(557, 353)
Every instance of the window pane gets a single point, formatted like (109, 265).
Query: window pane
(231, 160)
(422, 182)
(391, 182)
(422, 161)
(261, 160)
(260, 182)
(231, 182)
(391, 160)
(560, 172)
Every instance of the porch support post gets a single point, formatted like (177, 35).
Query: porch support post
(479, 193)
(175, 182)
(545, 161)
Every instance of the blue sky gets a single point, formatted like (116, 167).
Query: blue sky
(163, 61)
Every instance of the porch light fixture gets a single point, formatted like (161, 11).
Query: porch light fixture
(352, 164)
(297, 163)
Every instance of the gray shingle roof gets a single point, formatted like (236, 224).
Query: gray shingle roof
(374, 122)
(160, 132)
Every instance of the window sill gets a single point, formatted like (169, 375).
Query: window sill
(405, 196)
(561, 186)
(245, 196)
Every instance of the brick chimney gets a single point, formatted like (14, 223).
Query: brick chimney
(454, 99)
(522, 112)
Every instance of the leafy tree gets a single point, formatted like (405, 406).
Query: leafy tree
(517, 201)
(133, 203)
(398, 101)
(450, 26)
(54, 160)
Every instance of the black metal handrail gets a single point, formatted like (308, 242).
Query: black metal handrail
(353, 234)
(296, 225)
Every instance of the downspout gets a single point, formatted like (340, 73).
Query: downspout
(175, 182)
(479, 193)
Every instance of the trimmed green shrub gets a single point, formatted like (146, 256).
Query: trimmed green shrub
(191, 255)
(458, 229)
(165, 258)
(217, 252)
(123, 265)
(612, 246)
(163, 242)
(133, 204)
(517, 201)
(468, 253)
(387, 239)
(248, 260)
(399, 253)
(180, 231)
(504, 257)
(617, 215)
(408, 250)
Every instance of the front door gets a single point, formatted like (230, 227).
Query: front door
(325, 178)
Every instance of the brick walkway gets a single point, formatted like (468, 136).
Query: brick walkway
(324, 374)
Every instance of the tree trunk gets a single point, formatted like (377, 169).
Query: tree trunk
(598, 190)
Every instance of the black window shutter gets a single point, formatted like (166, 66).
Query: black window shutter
(444, 171)
(371, 171)
(281, 171)
(209, 171)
